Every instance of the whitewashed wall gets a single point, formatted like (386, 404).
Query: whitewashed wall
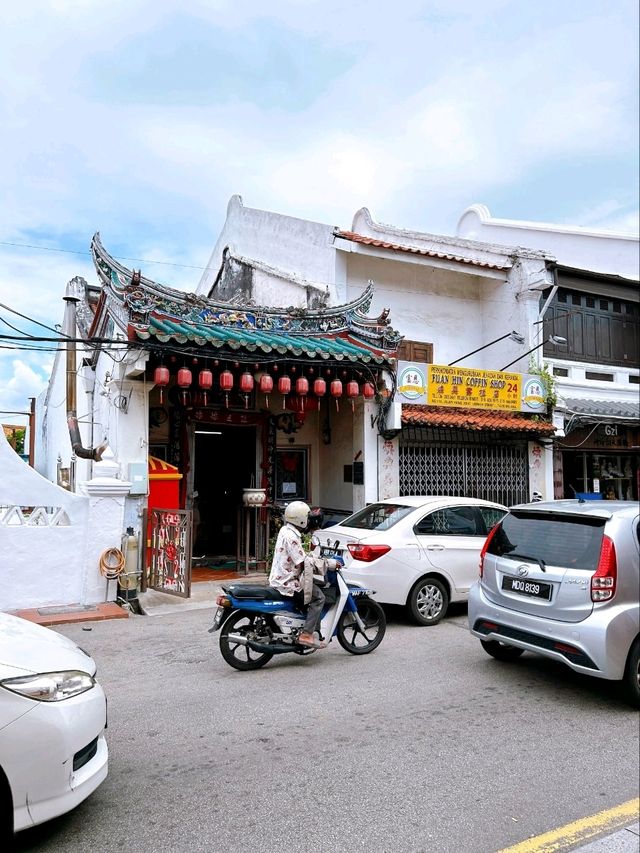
(294, 245)
(608, 252)
(40, 563)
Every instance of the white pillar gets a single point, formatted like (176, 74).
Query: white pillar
(106, 517)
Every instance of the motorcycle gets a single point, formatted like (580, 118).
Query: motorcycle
(256, 622)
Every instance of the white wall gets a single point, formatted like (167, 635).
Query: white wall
(608, 252)
(457, 312)
(334, 492)
(285, 242)
(39, 564)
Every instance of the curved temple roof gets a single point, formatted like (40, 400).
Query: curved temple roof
(150, 311)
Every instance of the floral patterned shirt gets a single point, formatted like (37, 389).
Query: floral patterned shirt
(288, 553)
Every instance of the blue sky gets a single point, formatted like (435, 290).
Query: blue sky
(140, 119)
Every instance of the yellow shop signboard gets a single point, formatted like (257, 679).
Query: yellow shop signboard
(470, 388)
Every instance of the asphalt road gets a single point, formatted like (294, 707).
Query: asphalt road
(425, 745)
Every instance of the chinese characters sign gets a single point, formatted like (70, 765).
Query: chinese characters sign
(466, 387)
(475, 389)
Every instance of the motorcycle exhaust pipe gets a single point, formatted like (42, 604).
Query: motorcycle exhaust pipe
(272, 648)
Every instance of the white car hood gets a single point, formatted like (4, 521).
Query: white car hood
(27, 648)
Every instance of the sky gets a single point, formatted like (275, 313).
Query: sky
(140, 118)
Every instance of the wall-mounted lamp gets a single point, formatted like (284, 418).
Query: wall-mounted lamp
(515, 336)
(556, 340)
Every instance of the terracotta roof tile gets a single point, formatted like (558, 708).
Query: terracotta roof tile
(473, 419)
(414, 250)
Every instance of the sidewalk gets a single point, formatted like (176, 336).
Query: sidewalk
(625, 840)
(151, 603)
(65, 614)
(203, 595)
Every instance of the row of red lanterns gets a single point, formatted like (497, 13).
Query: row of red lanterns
(247, 382)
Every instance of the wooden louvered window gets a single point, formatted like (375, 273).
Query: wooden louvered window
(598, 330)
(417, 351)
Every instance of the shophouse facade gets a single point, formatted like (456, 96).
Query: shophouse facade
(592, 303)
(447, 297)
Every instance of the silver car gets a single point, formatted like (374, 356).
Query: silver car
(561, 579)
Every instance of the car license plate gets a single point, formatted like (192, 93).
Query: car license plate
(330, 552)
(522, 586)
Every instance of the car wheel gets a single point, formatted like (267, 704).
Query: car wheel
(6, 813)
(501, 651)
(428, 601)
(631, 681)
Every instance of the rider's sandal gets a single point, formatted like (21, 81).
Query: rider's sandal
(309, 640)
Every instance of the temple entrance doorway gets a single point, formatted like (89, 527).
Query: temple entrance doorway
(224, 463)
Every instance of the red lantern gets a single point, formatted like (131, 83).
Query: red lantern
(266, 386)
(205, 381)
(302, 389)
(336, 391)
(161, 378)
(184, 381)
(184, 377)
(246, 386)
(284, 387)
(368, 391)
(319, 387)
(226, 381)
(226, 384)
(352, 391)
(246, 382)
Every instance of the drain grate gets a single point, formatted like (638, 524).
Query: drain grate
(69, 608)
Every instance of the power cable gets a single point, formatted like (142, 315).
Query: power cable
(30, 319)
(116, 257)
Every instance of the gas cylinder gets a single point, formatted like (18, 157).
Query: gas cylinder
(128, 580)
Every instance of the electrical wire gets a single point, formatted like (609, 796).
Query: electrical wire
(31, 320)
(88, 254)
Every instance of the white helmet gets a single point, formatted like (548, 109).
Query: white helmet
(297, 513)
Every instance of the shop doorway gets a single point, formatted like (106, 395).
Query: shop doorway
(224, 464)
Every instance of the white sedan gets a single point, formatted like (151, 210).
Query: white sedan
(421, 552)
(53, 752)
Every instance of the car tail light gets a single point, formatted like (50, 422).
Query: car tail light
(492, 533)
(603, 582)
(368, 553)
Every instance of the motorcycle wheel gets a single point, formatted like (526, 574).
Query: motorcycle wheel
(351, 637)
(236, 654)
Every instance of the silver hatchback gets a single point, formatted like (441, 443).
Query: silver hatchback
(562, 579)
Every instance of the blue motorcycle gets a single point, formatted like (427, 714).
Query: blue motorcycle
(256, 622)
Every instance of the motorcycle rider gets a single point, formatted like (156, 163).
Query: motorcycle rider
(287, 568)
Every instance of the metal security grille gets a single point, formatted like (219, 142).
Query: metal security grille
(170, 552)
(495, 472)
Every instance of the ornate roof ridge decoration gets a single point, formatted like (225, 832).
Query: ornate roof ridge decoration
(150, 305)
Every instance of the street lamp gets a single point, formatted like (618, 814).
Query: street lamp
(556, 340)
(515, 336)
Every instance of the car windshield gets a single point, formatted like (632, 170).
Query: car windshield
(377, 516)
(556, 540)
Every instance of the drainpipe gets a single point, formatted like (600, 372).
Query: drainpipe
(69, 330)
